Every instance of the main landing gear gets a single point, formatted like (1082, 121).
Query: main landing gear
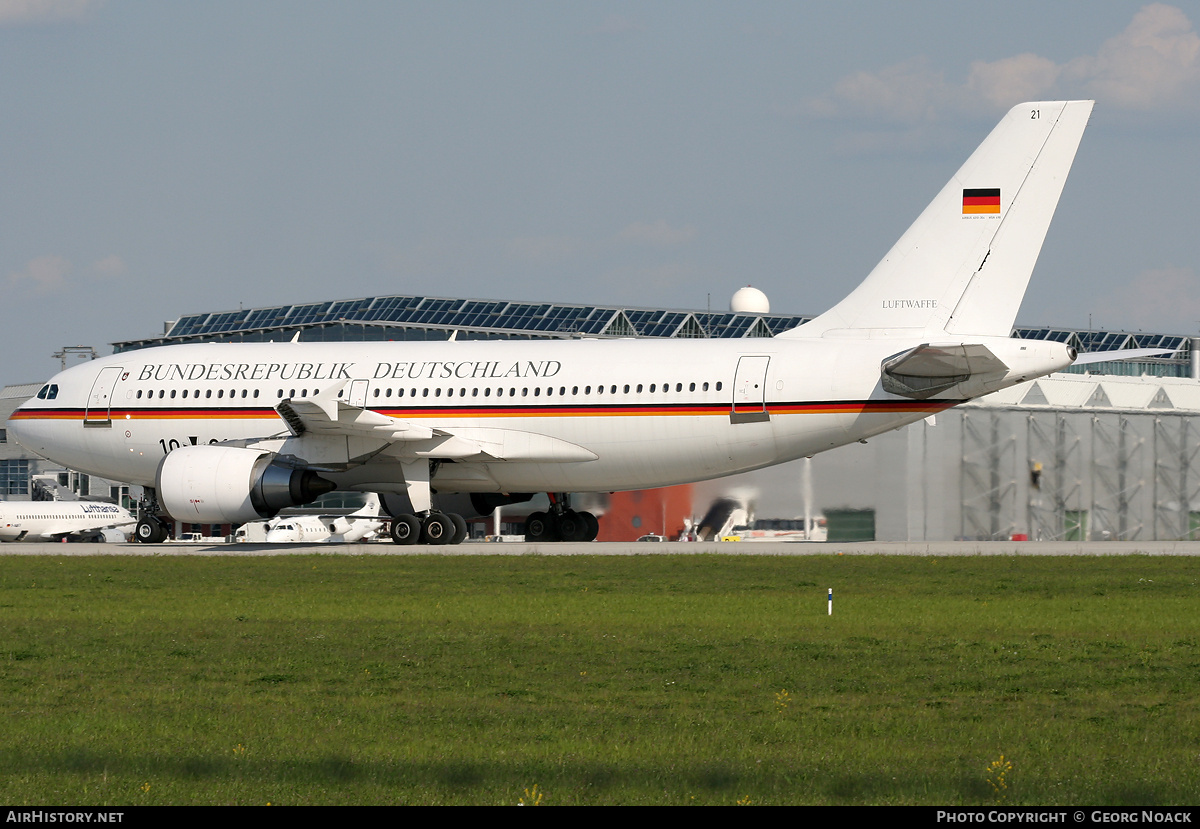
(428, 526)
(432, 528)
(561, 523)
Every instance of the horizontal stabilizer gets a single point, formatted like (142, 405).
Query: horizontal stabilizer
(930, 368)
(1121, 354)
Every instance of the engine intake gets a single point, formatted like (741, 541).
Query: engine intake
(227, 484)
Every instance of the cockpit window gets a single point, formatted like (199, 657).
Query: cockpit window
(53, 393)
(42, 392)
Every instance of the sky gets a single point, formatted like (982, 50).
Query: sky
(159, 159)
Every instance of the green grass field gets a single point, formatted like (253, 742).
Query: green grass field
(618, 680)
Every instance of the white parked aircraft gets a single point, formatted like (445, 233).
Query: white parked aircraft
(236, 432)
(362, 525)
(56, 520)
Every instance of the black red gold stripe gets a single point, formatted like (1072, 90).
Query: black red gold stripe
(466, 412)
(983, 200)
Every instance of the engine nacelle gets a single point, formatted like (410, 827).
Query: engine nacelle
(226, 484)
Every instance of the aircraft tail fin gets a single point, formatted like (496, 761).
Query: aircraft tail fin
(963, 266)
(370, 508)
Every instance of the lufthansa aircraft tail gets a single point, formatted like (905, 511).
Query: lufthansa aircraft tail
(962, 268)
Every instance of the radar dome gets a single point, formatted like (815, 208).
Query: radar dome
(750, 300)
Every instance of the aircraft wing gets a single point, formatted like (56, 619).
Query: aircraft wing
(324, 415)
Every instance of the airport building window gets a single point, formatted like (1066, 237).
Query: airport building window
(14, 477)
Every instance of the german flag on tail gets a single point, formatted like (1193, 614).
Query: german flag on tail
(981, 201)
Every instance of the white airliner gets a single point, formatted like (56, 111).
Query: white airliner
(362, 525)
(228, 433)
(56, 520)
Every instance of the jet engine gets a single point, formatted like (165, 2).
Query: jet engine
(226, 484)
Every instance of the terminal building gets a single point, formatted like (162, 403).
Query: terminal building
(1112, 452)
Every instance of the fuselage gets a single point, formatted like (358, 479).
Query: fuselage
(651, 412)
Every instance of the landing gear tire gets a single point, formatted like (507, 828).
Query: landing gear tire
(593, 525)
(572, 526)
(538, 527)
(437, 528)
(406, 529)
(460, 528)
(149, 531)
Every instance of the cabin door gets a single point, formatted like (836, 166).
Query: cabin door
(750, 391)
(358, 393)
(99, 403)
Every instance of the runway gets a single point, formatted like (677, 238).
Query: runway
(898, 548)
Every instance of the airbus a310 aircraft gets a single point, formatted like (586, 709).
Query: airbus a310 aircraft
(231, 433)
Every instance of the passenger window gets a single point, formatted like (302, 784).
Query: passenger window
(718, 385)
(172, 394)
(139, 394)
(243, 393)
(256, 393)
(184, 394)
(691, 387)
